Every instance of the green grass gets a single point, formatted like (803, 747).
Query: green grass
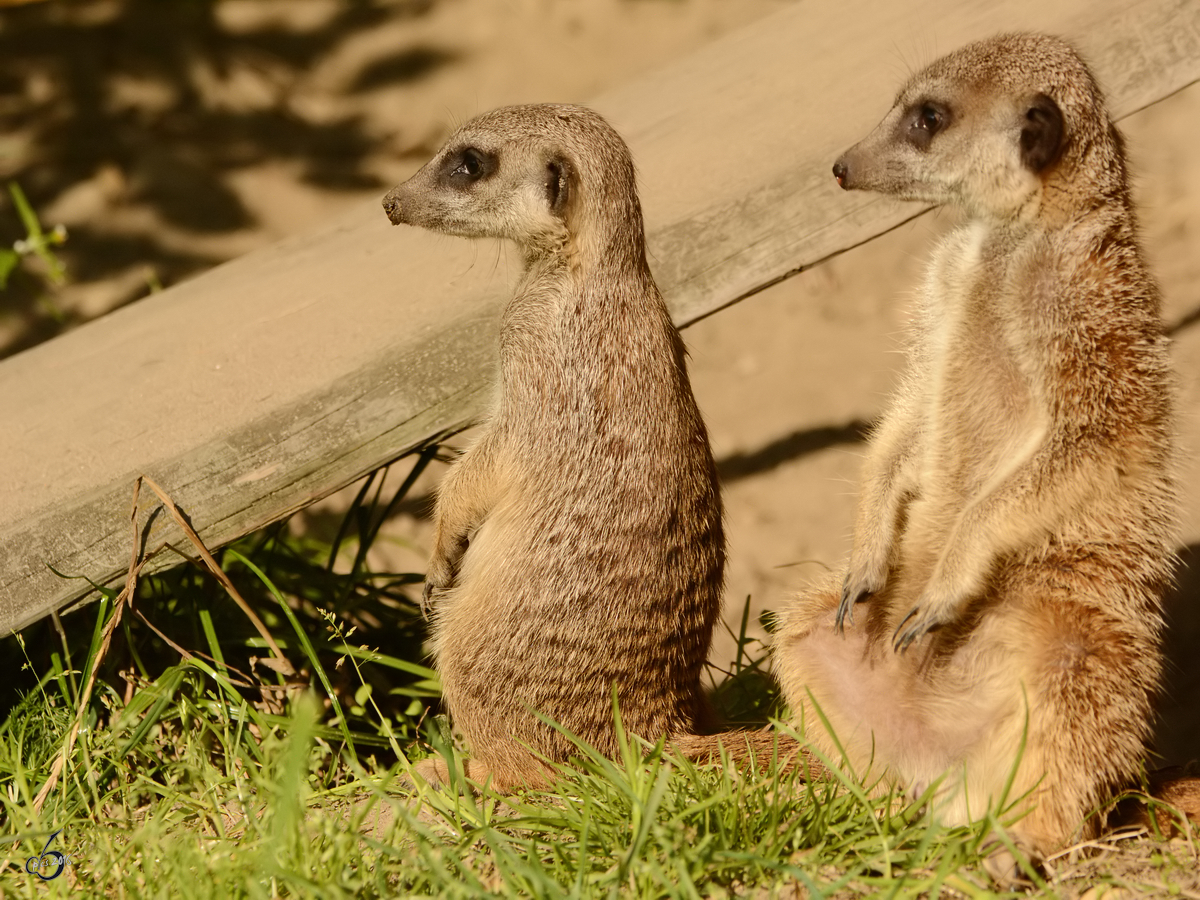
(198, 771)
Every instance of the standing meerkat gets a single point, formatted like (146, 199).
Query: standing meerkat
(579, 546)
(1001, 614)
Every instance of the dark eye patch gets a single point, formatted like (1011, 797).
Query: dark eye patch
(468, 166)
(923, 120)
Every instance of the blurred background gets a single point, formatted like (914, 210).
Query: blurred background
(166, 136)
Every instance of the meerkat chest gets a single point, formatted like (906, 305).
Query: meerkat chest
(980, 401)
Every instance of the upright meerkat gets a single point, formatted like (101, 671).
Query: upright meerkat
(1015, 528)
(579, 544)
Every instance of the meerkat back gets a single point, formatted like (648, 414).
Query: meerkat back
(1016, 518)
(579, 549)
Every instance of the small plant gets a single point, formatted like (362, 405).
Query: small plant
(38, 244)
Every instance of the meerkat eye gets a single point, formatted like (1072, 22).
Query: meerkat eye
(469, 166)
(924, 121)
(929, 119)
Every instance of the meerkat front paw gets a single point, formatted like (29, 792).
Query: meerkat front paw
(438, 580)
(448, 553)
(845, 610)
(858, 587)
(915, 625)
(427, 598)
(926, 616)
(959, 575)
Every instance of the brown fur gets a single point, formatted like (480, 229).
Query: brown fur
(753, 751)
(1016, 521)
(1172, 786)
(579, 542)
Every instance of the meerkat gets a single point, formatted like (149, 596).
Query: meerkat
(579, 545)
(997, 635)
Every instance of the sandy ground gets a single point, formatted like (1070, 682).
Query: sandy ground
(171, 137)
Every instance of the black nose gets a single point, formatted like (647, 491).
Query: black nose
(391, 206)
(839, 172)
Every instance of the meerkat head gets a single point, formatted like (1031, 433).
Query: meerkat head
(989, 128)
(545, 176)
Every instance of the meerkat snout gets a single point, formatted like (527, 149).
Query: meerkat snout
(393, 208)
(839, 172)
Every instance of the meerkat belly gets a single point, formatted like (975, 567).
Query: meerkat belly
(576, 584)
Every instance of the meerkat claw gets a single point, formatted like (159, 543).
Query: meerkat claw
(901, 641)
(845, 611)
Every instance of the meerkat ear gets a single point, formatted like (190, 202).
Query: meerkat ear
(1042, 134)
(558, 184)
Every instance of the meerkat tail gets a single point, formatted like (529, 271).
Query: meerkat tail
(1171, 786)
(747, 749)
